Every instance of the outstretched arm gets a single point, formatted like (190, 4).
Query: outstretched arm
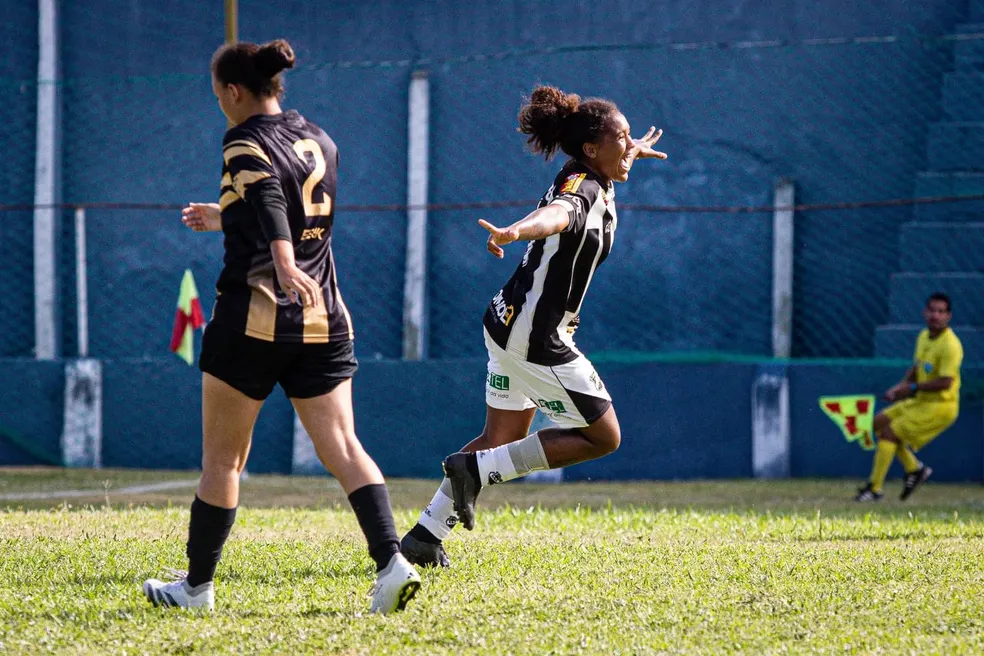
(643, 148)
(538, 224)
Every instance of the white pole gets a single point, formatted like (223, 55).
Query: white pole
(46, 187)
(81, 284)
(415, 278)
(782, 269)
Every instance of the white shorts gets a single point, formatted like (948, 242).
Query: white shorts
(572, 395)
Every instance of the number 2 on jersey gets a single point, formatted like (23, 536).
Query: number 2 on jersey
(311, 208)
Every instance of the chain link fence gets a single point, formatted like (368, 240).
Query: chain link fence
(863, 125)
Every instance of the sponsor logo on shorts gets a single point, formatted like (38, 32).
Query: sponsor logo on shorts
(596, 381)
(494, 477)
(553, 406)
(451, 521)
(498, 382)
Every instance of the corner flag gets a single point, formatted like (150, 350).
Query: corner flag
(854, 415)
(187, 318)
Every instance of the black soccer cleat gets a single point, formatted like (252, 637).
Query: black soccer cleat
(866, 494)
(914, 480)
(425, 554)
(465, 485)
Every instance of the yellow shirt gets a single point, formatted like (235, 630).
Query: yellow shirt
(938, 358)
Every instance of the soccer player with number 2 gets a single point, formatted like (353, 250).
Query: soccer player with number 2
(279, 318)
(529, 325)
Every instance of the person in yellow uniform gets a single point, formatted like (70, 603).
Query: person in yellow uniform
(925, 402)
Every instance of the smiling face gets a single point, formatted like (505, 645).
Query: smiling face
(612, 156)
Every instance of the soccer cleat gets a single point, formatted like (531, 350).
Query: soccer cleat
(395, 586)
(465, 487)
(178, 594)
(914, 480)
(425, 554)
(866, 494)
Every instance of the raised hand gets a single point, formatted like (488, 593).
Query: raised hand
(498, 237)
(643, 148)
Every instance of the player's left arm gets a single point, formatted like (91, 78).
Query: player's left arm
(643, 148)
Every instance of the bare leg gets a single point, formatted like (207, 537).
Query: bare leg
(330, 422)
(228, 417)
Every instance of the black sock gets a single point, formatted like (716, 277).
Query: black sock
(207, 532)
(421, 534)
(472, 465)
(371, 504)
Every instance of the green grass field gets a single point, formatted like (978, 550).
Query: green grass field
(702, 567)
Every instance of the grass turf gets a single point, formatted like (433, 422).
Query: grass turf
(702, 567)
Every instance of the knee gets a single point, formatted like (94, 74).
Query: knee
(888, 436)
(347, 447)
(608, 441)
(223, 463)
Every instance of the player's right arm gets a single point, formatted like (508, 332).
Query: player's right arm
(253, 178)
(567, 211)
(538, 224)
(202, 217)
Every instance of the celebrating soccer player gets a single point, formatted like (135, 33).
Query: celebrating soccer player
(279, 318)
(529, 325)
(927, 402)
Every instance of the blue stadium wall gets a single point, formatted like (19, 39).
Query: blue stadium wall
(140, 125)
(679, 421)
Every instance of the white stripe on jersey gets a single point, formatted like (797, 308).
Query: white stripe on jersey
(519, 338)
(596, 219)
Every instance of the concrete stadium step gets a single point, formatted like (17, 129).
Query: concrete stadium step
(956, 212)
(899, 341)
(941, 247)
(963, 96)
(957, 146)
(950, 183)
(969, 53)
(908, 293)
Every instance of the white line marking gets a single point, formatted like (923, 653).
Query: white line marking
(72, 494)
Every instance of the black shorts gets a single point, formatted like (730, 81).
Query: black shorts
(254, 366)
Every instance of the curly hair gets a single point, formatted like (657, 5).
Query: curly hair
(556, 120)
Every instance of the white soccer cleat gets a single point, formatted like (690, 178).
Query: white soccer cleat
(178, 594)
(395, 586)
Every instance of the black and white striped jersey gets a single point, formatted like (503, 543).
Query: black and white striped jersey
(534, 315)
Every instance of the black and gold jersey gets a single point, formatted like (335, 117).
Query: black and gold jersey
(534, 315)
(275, 165)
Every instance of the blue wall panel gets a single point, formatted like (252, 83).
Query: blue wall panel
(678, 421)
(32, 397)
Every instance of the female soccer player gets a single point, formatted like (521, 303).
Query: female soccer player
(279, 318)
(529, 325)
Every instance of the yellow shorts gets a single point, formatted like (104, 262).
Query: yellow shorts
(917, 422)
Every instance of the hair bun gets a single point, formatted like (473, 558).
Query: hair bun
(274, 57)
(542, 118)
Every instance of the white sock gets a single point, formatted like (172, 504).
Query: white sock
(504, 463)
(439, 516)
